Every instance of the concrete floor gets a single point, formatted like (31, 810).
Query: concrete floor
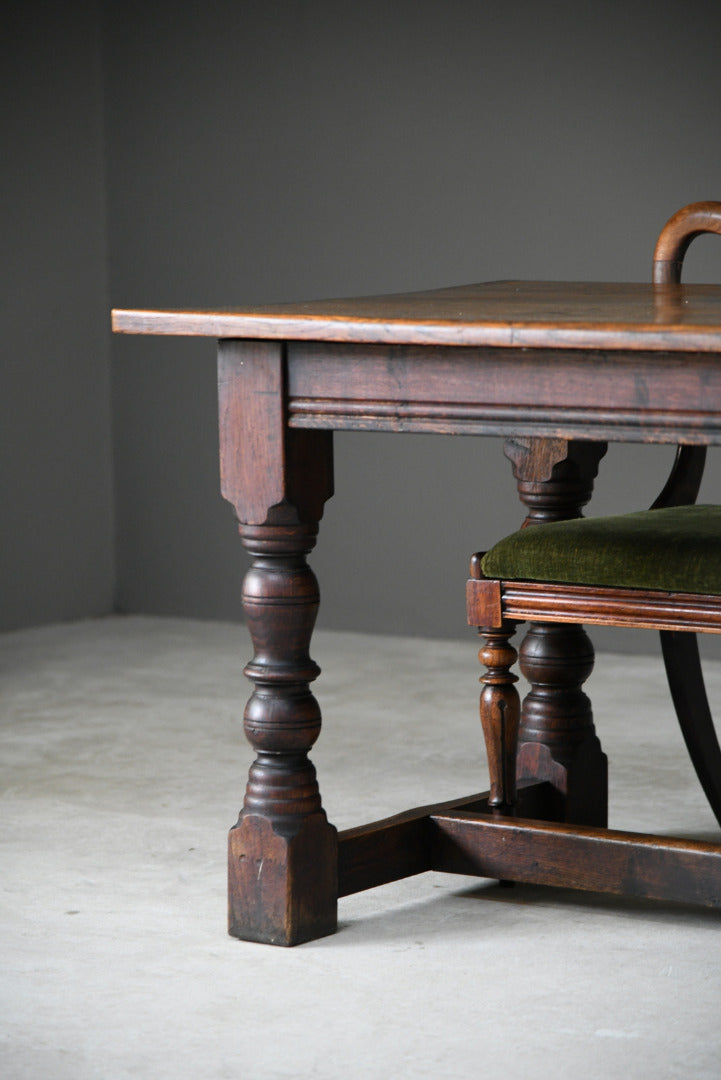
(122, 767)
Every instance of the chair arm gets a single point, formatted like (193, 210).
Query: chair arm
(682, 486)
(677, 234)
(684, 481)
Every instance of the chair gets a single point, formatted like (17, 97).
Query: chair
(658, 568)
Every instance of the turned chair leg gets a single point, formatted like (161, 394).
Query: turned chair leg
(500, 714)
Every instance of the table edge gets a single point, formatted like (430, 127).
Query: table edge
(340, 329)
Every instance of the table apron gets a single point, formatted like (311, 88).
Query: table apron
(609, 395)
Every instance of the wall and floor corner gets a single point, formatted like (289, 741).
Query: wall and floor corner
(262, 151)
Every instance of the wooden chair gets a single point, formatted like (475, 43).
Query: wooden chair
(657, 568)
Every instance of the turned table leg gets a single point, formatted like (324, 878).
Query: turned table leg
(557, 739)
(282, 853)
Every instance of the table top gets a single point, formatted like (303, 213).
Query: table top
(525, 314)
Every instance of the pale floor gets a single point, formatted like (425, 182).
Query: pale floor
(122, 767)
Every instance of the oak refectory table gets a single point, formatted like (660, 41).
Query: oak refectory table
(559, 369)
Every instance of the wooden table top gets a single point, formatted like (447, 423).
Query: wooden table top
(521, 314)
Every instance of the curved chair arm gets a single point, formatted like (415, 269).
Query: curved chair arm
(682, 486)
(680, 650)
(684, 481)
(677, 234)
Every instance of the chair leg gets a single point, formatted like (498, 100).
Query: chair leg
(686, 683)
(500, 712)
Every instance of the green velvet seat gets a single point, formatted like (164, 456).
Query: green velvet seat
(675, 549)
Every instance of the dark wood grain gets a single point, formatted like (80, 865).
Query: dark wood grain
(556, 393)
(265, 468)
(506, 314)
(678, 232)
(557, 739)
(392, 848)
(554, 477)
(500, 709)
(601, 606)
(282, 871)
(401, 846)
(574, 857)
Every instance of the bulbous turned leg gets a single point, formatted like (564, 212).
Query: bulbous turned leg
(282, 852)
(500, 709)
(282, 857)
(557, 738)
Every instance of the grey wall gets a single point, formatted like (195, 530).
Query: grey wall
(56, 539)
(270, 151)
(260, 151)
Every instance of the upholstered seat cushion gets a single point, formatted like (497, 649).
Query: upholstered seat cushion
(677, 549)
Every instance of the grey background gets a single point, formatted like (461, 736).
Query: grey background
(177, 154)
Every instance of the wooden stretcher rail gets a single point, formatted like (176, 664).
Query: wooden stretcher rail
(596, 860)
(401, 846)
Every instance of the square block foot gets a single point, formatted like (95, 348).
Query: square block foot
(282, 890)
